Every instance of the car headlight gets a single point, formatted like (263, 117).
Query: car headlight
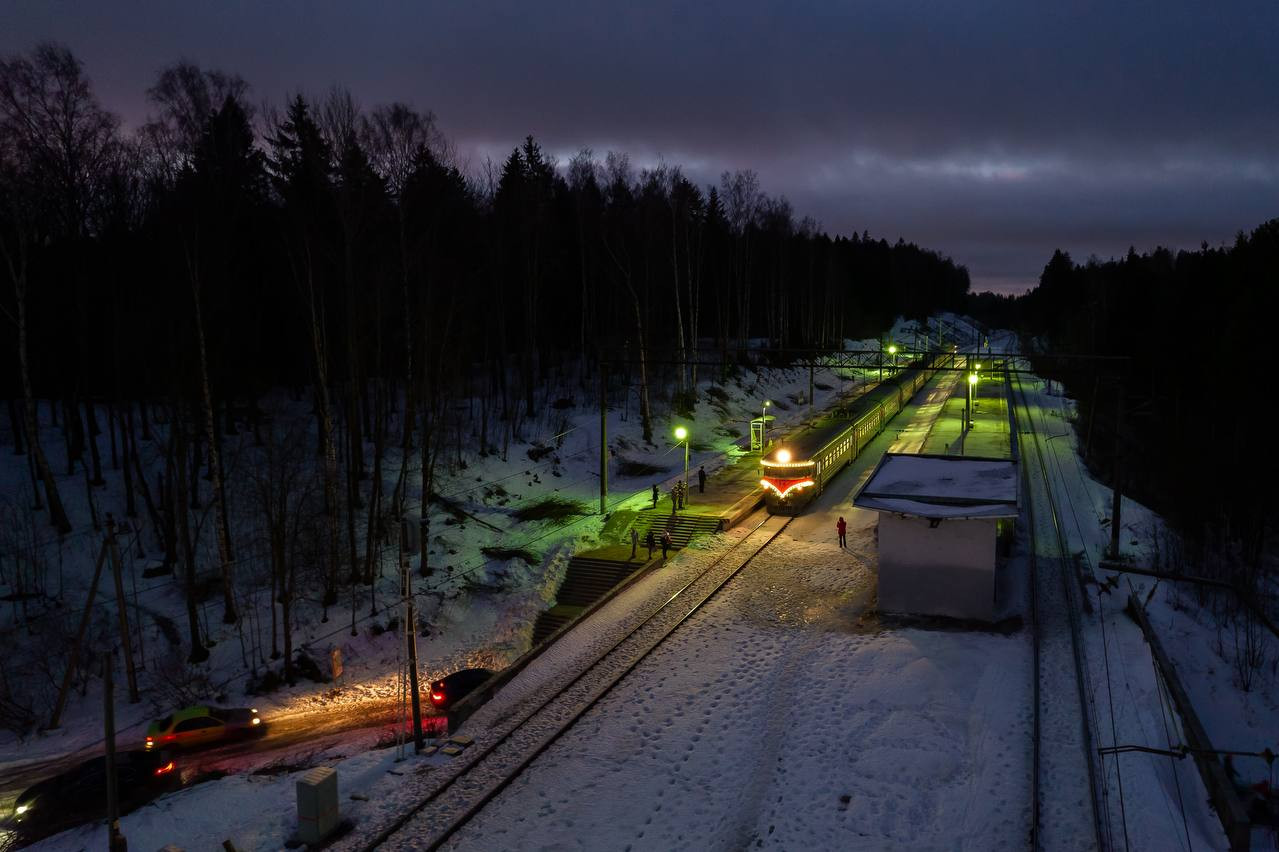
(21, 809)
(257, 721)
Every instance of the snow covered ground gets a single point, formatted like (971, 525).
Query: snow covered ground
(786, 715)
(484, 611)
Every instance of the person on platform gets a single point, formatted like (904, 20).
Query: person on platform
(634, 541)
(842, 527)
(666, 543)
(656, 495)
(701, 480)
(648, 540)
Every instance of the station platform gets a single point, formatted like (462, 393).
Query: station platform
(990, 435)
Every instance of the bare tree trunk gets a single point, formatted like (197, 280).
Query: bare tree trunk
(57, 514)
(92, 431)
(679, 317)
(329, 448)
(178, 434)
(229, 613)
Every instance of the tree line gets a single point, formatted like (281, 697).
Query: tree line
(349, 255)
(1179, 422)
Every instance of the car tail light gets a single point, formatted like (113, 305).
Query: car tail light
(162, 770)
(437, 697)
(150, 742)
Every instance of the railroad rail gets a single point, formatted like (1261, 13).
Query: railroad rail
(1057, 600)
(451, 804)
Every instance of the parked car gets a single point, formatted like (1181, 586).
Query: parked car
(453, 688)
(194, 727)
(80, 794)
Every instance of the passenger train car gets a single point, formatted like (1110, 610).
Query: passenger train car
(797, 470)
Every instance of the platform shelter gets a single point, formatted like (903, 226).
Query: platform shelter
(940, 521)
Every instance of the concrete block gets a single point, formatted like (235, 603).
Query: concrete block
(317, 804)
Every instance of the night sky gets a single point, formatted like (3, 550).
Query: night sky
(993, 132)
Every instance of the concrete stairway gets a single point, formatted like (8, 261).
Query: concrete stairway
(682, 525)
(587, 579)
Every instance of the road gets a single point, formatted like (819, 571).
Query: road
(321, 729)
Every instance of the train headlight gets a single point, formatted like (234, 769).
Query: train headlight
(21, 809)
(783, 456)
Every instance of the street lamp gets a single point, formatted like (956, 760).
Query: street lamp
(972, 388)
(763, 426)
(681, 434)
(892, 350)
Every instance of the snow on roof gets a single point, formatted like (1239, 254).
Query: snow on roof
(941, 487)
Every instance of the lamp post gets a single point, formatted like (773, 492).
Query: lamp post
(681, 434)
(763, 427)
(892, 350)
(972, 388)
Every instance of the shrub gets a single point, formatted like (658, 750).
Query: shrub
(550, 509)
(632, 469)
(504, 553)
(718, 394)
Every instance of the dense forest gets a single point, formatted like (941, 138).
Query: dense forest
(1180, 421)
(161, 281)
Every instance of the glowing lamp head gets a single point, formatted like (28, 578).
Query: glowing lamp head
(680, 433)
(978, 366)
(783, 456)
(972, 378)
(892, 350)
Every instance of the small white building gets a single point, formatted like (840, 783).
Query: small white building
(940, 519)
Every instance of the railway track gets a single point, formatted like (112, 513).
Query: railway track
(1059, 656)
(492, 765)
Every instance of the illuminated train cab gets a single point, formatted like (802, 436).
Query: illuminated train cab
(797, 470)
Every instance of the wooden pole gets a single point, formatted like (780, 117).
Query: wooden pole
(115, 840)
(113, 551)
(79, 637)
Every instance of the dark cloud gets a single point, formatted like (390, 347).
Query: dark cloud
(992, 131)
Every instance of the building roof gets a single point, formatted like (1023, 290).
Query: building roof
(949, 487)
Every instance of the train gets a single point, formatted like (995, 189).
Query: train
(797, 469)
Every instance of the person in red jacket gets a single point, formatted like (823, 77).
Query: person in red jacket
(843, 531)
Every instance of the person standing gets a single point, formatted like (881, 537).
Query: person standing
(634, 541)
(674, 498)
(842, 527)
(655, 495)
(701, 479)
(666, 543)
(648, 540)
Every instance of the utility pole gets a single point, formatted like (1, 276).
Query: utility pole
(1117, 493)
(603, 441)
(115, 840)
(114, 552)
(79, 637)
(410, 634)
(810, 388)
